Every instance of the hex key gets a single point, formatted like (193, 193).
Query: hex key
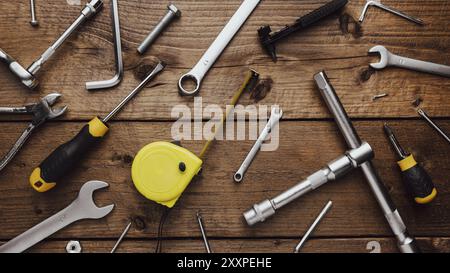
(96, 85)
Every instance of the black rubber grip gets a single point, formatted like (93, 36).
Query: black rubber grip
(321, 12)
(418, 182)
(66, 156)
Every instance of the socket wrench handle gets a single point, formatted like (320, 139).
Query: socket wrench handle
(334, 170)
(274, 119)
(87, 12)
(217, 47)
(406, 243)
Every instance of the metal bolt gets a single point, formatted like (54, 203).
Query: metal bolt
(73, 247)
(172, 14)
(34, 22)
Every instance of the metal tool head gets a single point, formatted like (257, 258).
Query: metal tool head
(44, 110)
(264, 38)
(85, 200)
(384, 56)
(175, 10)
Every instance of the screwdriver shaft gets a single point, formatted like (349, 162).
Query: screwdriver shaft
(433, 124)
(159, 67)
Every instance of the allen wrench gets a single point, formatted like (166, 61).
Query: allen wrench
(97, 85)
(378, 4)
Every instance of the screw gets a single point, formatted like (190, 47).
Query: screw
(379, 96)
(172, 14)
(34, 21)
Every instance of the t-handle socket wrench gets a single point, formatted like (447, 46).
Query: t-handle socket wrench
(334, 170)
(217, 47)
(28, 76)
(274, 119)
(406, 243)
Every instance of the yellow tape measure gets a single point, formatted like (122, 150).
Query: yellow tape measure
(161, 171)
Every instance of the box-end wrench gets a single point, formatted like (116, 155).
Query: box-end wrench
(274, 119)
(389, 59)
(215, 50)
(82, 208)
(406, 243)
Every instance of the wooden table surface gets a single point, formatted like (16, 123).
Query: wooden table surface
(309, 137)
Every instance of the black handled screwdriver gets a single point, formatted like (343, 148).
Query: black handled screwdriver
(66, 156)
(415, 177)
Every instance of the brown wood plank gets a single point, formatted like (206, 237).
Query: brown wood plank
(304, 148)
(336, 45)
(343, 245)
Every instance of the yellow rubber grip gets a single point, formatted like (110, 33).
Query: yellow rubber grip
(428, 199)
(97, 128)
(38, 183)
(407, 163)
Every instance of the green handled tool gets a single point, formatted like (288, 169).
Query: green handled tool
(64, 158)
(416, 178)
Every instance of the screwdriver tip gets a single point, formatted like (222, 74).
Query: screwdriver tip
(388, 130)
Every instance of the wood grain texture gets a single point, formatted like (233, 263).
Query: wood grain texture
(309, 139)
(338, 45)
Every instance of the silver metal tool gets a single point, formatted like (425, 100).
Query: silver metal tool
(433, 125)
(274, 119)
(172, 13)
(125, 231)
(333, 171)
(73, 247)
(203, 231)
(83, 207)
(217, 47)
(28, 76)
(377, 3)
(311, 229)
(34, 22)
(96, 85)
(377, 97)
(389, 59)
(41, 112)
(406, 243)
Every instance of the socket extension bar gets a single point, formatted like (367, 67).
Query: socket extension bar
(28, 76)
(406, 243)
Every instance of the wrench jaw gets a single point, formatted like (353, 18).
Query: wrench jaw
(86, 200)
(49, 101)
(384, 57)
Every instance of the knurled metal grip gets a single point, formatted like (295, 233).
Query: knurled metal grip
(334, 170)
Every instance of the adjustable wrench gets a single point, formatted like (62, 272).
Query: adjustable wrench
(41, 112)
(82, 208)
(216, 48)
(389, 59)
(275, 117)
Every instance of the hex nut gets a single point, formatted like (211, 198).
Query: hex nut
(73, 247)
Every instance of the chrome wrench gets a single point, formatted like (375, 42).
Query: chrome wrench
(215, 50)
(81, 208)
(274, 119)
(389, 59)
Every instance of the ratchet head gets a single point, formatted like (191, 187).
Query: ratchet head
(384, 57)
(86, 200)
(267, 44)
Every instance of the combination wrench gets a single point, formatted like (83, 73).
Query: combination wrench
(81, 208)
(217, 47)
(274, 119)
(389, 59)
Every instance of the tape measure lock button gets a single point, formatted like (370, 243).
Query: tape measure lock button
(161, 171)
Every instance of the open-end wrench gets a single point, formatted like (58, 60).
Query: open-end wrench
(81, 208)
(389, 59)
(216, 48)
(41, 112)
(274, 119)
(378, 4)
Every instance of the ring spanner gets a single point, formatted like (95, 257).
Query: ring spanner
(389, 59)
(275, 117)
(81, 208)
(41, 112)
(206, 62)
